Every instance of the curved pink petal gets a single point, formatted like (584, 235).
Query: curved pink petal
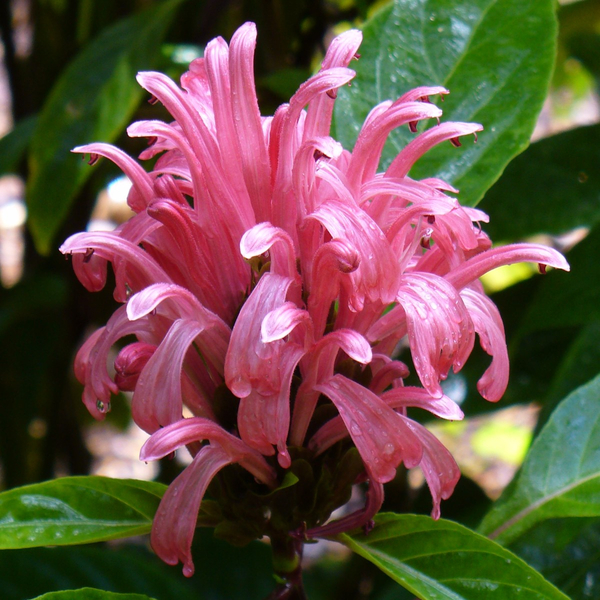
(284, 211)
(129, 364)
(376, 277)
(139, 178)
(157, 400)
(307, 161)
(490, 329)
(439, 467)
(246, 363)
(175, 520)
(90, 270)
(370, 142)
(197, 429)
(281, 321)
(339, 54)
(81, 364)
(213, 342)
(491, 259)
(440, 330)
(264, 419)
(414, 397)
(253, 151)
(260, 373)
(264, 237)
(93, 357)
(379, 433)
(422, 93)
(386, 372)
(409, 155)
(331, 262)
(139, 269)
(318, 367)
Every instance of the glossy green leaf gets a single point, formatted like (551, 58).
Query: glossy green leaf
(561, 474)
(441, 560)
(496, 58)
(77, 510)
(567, 552)
(124, 570)
(553, 187)
(222, 571)
(569, 299)
(90, 594)
(580, 364)
(14, 144)
(92, 101)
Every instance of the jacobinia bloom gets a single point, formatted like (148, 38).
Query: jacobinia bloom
(270, 266)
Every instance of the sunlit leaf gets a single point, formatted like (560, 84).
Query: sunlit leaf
(77, 510)
(441, 560)
(561, 474)
(495, 56)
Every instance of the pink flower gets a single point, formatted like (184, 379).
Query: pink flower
(267, 263)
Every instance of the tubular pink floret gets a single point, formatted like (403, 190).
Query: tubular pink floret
(253, 151)
(475, 267)
(139, 178)
(266, 238)
(379, 434)
(402, 164)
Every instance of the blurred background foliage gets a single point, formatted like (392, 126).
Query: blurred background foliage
(69, 78)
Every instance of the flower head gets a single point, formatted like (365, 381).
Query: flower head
(268, 276)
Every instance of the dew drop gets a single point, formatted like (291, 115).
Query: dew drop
(355, 428)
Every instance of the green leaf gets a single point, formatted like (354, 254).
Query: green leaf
(580, 364)
(222, 571)
(77, 510)
(567, 552)
(90, 594)
(14, 144)
(441, 560)
(495, 56)
(561, 474)
(569, 299)
(553, 187)
(124, 570)
(92, 101)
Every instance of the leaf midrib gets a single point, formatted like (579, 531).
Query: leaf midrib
(544, 500)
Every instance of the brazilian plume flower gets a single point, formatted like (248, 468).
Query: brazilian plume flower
(269, 277)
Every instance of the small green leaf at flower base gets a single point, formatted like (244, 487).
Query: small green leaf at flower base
(77, 510)
(496, 58)
(561, 474)
(90, 594)
(442, 560)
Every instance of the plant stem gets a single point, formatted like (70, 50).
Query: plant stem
(287, 564)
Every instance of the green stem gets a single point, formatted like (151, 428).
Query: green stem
(287, 564)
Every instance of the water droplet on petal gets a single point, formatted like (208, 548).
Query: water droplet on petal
(388, 450)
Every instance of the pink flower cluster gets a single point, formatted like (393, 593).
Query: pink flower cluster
(262, 251)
